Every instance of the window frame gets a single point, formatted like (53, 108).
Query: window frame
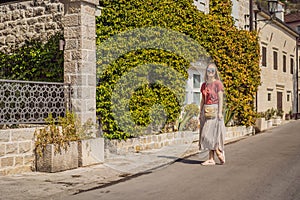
(269, 97)
(292, 65)
(275, 60)
(284, 63)
(264, 56)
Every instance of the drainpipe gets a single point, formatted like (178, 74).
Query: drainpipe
(297, 76)
(251, 29)
(251, 15)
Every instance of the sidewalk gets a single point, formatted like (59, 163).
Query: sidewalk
(37, 185)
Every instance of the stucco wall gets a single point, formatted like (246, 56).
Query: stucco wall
(274, 38)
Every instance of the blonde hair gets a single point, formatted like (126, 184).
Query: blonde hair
(217, 77)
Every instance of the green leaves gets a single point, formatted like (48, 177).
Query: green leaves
(35, 61)
(236, 53)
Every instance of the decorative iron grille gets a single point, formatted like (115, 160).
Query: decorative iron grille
(23, 102)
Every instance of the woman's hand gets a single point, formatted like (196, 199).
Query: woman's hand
(220, 116)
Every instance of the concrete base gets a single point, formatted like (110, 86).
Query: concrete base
(277, 121)
(55, 162)
(269, 123)
(260, 124)
(91, 152)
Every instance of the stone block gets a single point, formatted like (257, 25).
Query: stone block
(91, 151)
(50, 26)
(74, 8)
(86, 44)
(70, 68)
(75, 55)
(2, 40)
(71, 44)
(7, 16)
(32, 21)
(38, 11)
(166, 143)
(11, 148)
(29, 160)
(25, 147)
(15, 170)
(72, 32)
(155, 138)
(157, 145)
(4, 135)
(70, 20)
(29, 12)
(2, 150)
(16, 14)
(67, 59)
(52, 161)
(170, 136)
(7, 162)
(2, 26)
(22, 134)
(148, 139)
(10, 39)
(39, 28)
(138, 148)
(159, 138)
(19, 160)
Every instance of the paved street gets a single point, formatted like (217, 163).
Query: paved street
(262, 167)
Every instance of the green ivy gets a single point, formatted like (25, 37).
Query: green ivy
(34, 61)
(236, 53)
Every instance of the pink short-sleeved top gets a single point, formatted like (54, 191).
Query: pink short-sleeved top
(210, 92)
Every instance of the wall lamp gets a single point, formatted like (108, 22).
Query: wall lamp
(272, 10)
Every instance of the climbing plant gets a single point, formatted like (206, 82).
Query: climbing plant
(236, 53)
(36, 60)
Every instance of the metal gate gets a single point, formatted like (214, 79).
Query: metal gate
(23, 102)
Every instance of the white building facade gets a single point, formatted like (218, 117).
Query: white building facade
(279, 62)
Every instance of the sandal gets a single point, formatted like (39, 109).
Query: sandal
(222, 157)
(208, 162)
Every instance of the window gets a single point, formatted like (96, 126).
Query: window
(288, 97)
(298, 29)
(292, 65)
(284, 63)
(202, 5)
(196, 80)
(196, 98)
(269, 96)
(264, 56)
(275, 61)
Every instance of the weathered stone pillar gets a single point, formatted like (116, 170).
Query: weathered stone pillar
(80, 56)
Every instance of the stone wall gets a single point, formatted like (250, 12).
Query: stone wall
(16, 150)
(148, 142)
(235, 132)
(27, 20)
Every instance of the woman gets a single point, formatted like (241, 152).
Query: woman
(212, 127)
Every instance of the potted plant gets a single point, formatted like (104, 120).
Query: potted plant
(269, 114)
(277, 118)
(260, 122)
(60, 145)
(287, 116)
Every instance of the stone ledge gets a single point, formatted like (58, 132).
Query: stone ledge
(15, 170)
(149, 142)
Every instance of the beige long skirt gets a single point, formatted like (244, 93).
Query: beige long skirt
(212, 133)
